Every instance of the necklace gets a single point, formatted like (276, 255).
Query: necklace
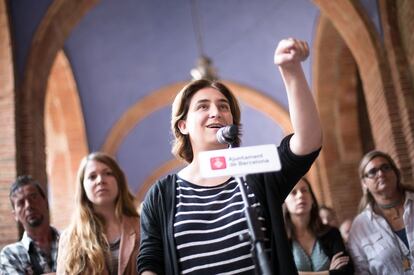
(389, 205)
(393, 213)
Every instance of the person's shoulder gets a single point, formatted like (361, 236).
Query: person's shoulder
(167, 179)
(331, 232)
(13, 250)
(132, 221)
(361, 225)
(12, 247)
(13, 258)
(64, 236)
(161, 188)
(163, 183)
(362, 218)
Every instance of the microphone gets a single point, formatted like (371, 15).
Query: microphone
(227, 134)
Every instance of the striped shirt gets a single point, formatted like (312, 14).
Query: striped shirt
(207, 225)
(114, 256)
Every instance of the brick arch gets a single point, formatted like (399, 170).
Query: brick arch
(164, 97)
(9, 230)
(365, 44)
(66, 141)
(337, 98)
(398, 55)
(61, 17)
(403, 12)
(387, 87)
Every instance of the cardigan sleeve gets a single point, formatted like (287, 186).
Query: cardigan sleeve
(150, 257)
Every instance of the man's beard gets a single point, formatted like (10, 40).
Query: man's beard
(35, 222)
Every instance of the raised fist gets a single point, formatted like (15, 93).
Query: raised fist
(290, 51)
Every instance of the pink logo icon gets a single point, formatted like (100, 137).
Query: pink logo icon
(218, 163)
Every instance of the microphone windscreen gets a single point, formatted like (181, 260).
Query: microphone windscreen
(227, 134)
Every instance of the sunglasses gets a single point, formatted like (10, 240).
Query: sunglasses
(372, 173)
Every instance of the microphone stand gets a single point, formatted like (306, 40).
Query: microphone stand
(256, 236)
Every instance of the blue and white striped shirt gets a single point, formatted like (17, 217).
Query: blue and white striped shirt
(207, 228)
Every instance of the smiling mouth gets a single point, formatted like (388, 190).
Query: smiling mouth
(215, 126)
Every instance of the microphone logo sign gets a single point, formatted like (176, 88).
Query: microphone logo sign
(218, 163)
(239, 161)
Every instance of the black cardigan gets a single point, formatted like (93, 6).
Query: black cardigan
(157, 250)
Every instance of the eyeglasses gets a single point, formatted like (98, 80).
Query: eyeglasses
(372, 173)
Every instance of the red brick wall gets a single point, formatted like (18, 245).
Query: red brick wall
(386, 100)
(335, 82)
(66, 141)
(405, 17)
(402, 82)
(8, 228)
(23, 136)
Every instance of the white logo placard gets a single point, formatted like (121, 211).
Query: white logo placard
(239, 161)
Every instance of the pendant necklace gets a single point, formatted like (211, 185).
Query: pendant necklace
(391, 205)
(405, 261)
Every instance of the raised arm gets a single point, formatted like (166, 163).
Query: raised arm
(302, 108)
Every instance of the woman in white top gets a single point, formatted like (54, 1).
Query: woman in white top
(381, 240)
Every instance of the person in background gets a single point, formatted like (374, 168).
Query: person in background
(36, 252)
(381, 240)
(328, 216)
(191, 224)
(103, 237)
(317, 248)
(345, 228)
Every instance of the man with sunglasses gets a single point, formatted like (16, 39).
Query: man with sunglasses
(381, 240)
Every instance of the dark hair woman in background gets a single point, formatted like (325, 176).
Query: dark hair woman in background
(317, 248)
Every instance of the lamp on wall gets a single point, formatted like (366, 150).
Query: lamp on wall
(204, 67)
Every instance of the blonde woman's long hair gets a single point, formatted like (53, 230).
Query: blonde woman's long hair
(87, 247)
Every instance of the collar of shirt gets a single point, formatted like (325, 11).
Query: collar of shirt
(26, 240)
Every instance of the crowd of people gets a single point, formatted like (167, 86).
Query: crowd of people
(189, 224)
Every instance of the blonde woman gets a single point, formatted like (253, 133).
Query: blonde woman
(381, 240)
(103, 237)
